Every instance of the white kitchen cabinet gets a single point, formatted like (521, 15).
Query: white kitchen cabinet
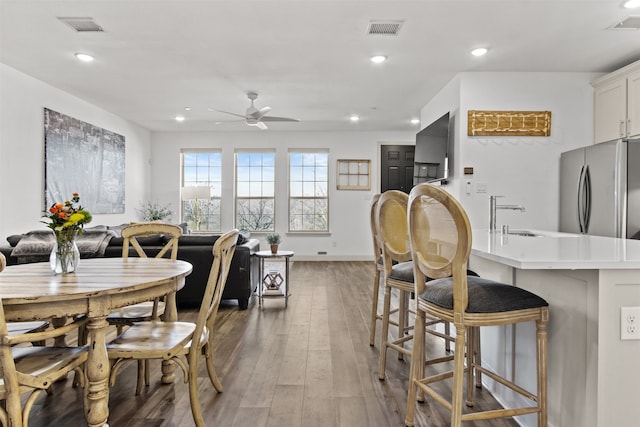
(610, 110)
(616, 104)
(633, 104)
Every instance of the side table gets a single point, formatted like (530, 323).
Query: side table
(272, 284)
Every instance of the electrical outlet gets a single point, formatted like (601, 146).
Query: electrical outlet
(630, 323)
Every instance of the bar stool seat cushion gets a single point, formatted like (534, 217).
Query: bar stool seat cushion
(404, 272)
(485, 296)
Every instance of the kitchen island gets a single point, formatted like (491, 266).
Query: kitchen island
(592, 373)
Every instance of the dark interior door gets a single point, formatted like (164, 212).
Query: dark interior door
(397, 167)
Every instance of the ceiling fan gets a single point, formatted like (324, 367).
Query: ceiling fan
(257, 117)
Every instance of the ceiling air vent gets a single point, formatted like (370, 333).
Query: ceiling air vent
(81, 25)
(630, 23)
(384, 28)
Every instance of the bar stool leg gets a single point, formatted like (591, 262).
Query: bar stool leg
(374, 308)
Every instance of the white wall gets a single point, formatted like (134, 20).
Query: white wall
(350, 235)
(22, 103)
(523, 169)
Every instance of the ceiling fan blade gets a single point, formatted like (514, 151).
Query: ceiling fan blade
(254, 113)
(262, 112)
(226, 112)
(261, 125)
(278, 119)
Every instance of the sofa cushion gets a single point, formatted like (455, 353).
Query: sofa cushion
(153, 240)
(118, 229)
(197, 240)
(14, 239)
(35, 243)
(97, 228)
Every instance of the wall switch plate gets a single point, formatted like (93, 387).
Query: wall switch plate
(630, 323)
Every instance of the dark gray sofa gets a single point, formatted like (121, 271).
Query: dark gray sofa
(242, 280)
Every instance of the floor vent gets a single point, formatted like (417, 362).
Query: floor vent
(630, 23)
(82, 25)
(384, 28)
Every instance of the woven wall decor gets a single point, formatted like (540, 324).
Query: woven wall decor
(509, 123)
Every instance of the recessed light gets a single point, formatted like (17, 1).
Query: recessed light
(354, 118)
(479, 51)
(378, 59)
(415, 121)
(179, 118)
(632, 4)
(84, 57)
(187, 108)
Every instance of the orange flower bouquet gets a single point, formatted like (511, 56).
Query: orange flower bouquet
(66, 220)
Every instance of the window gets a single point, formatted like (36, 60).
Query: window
(201, 210)
(354, 175)
(308, 191)
(255, 191)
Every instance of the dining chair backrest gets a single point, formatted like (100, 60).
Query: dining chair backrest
(373, 207)
(440, 236)
(33, 369)
(132, 232)
(7, 367)
(223, 250)
(393, 227)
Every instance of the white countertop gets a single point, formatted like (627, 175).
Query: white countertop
(553, 250)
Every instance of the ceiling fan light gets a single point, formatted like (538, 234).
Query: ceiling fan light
(84, 57)
(479, 51)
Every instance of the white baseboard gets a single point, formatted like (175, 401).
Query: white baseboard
(332, 258)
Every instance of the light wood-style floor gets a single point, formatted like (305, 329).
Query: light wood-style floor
(307, 365)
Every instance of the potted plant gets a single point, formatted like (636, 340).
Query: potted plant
(274, 240)
(150, 212)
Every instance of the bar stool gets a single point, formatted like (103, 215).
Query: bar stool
(379, 268)
(393, 237)
(440, 236)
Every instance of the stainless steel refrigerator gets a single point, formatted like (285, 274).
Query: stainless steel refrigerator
(600, 189)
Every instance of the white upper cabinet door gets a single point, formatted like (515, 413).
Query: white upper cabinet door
(633, 105)
(610, 111)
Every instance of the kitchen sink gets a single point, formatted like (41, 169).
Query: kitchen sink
(523, 233)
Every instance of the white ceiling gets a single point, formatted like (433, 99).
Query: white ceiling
(306, 59)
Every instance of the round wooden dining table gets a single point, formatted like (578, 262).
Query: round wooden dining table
(98, 286)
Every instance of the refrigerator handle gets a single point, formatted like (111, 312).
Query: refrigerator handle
(587, 211)
(580, 200)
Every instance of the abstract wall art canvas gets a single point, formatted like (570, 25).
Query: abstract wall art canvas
(83, 158)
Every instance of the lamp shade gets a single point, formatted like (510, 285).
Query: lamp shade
(192, 193)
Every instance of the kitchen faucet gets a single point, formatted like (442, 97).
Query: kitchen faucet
(493, 206)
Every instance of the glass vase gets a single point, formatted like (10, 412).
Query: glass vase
(65, 255)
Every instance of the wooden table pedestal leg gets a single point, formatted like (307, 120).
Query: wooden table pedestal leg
(170, 315)
(96, 391)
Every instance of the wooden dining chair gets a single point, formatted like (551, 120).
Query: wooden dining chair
(127, 316)
(33, 369)
(440, 240)
(16, 328)
(182, 341)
